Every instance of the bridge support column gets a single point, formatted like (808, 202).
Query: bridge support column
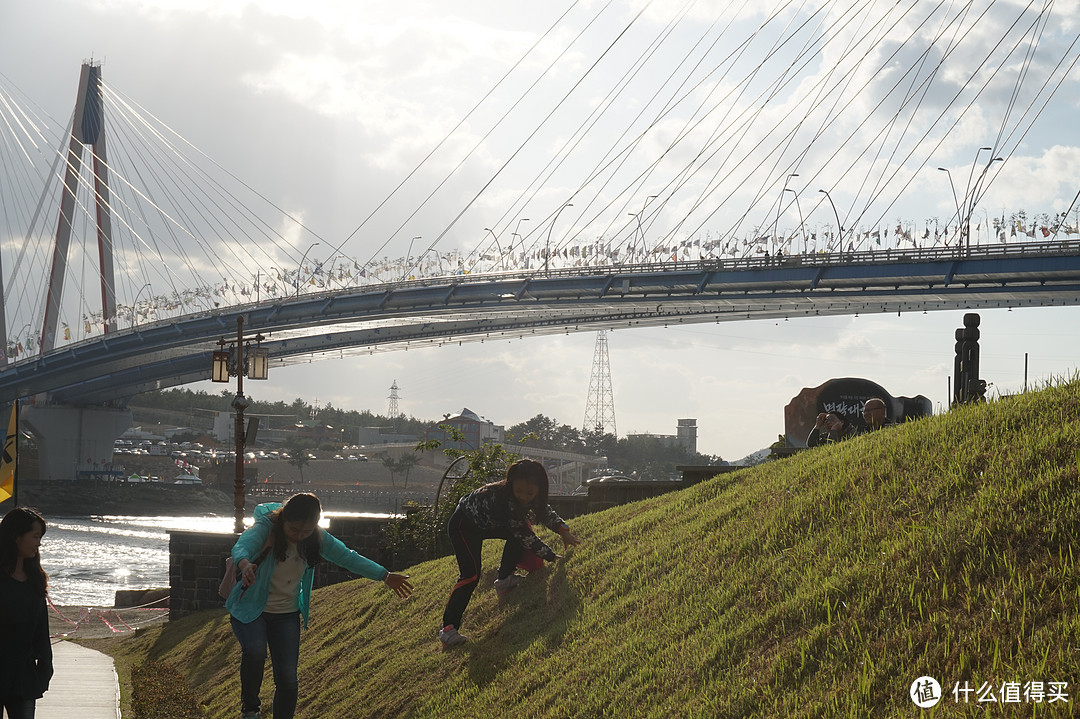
(75, 442)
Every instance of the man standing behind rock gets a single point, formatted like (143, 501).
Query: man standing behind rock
(874, 415)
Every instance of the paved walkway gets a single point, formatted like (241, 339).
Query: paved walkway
(83, 685)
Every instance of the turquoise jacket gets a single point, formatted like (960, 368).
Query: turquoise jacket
(247, 605)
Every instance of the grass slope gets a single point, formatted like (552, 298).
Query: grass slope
(817, 586)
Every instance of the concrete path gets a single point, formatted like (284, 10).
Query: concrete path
(83, 685)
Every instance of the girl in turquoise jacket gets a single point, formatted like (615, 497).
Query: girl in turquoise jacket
(276, 558)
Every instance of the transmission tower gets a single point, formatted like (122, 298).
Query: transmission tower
(392, 411)
(600, 404)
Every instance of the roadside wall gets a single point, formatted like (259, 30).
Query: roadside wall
(197, 561)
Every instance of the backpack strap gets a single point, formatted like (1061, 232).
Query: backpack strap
(265, 550)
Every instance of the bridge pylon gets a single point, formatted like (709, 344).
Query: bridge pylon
(77, 441)
(87, 128)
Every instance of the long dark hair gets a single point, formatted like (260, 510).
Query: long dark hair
(533, 472)
(16, 523)
(306, 508)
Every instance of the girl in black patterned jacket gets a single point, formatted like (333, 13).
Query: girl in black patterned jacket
(499, 511)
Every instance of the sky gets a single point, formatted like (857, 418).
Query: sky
(390, 129)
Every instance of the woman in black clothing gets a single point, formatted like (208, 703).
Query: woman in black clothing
(499, 511)
(25, 651)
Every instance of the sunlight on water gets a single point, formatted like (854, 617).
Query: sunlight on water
(89, 558)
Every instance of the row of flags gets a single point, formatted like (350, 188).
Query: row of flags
(351, 273)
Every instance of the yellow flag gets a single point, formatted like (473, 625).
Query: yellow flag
(7, 462)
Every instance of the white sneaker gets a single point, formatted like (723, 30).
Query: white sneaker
(502, 586)
(450, 637)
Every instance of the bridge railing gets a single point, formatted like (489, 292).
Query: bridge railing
(754, 262)
(1047, 248)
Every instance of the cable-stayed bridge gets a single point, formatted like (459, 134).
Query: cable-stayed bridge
(434, 311)
(79, 360)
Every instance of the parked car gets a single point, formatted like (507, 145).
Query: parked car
(583, 488)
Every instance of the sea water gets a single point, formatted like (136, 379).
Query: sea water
(89, 558)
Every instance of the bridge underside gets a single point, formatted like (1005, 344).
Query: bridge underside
(437, 311)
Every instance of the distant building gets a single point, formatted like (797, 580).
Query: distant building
(476, 430)
(139, 434)
(685, 436)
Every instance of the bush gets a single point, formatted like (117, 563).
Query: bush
(159, 691)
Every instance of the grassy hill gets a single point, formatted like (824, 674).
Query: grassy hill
(817, 586)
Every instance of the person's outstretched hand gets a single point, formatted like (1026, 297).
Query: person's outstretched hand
(399, 583)
(568, 538)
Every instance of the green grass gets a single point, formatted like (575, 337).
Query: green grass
(816, 586)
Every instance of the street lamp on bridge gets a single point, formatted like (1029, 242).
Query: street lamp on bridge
(301, 267)
(799, 208)
(240, 360)
(839, 227)
(498, 246)
(956, 202)
(514, 234)
(975, 192)
(780, 205)
(971, 196)
(135, 305)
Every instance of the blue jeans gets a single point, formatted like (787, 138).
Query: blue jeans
(281, 633)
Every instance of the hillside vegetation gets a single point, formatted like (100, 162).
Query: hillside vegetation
(817, 586)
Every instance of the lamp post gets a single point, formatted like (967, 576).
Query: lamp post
(135, 305)
(240, 360)
(633, 245)
(956, 202)
(498, 246)
(547, 244)
(975, 193)
(780, 205)
(516, 234)
(408, 256)
(965, 221)
(799, 208)
(839, 227)
(301, 267)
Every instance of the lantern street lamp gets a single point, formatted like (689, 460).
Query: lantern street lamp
(240, 360)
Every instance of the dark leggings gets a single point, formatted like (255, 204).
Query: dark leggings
(468, 541)
(18, 708)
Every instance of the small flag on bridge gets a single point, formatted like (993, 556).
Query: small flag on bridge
(11, 451)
